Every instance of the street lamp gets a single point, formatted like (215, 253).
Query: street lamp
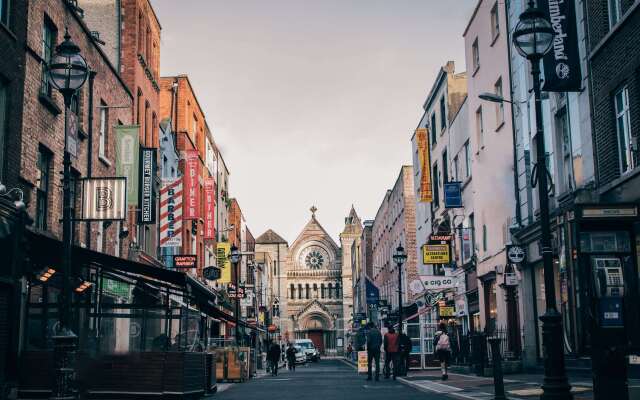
(67, 71)
(399, 257)
(533, 38)
(235, 256)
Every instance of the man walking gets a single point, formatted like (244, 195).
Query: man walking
(291, 357)
(374, 341)
(274, 358)
(391, 349)
(405, 351)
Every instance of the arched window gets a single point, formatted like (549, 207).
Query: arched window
(315, 290)
(299, 291)
(330, 290)
(337, 290)
(322, 290)
(307, 291)
(293, 291)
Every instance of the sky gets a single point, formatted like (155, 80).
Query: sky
(311, 102)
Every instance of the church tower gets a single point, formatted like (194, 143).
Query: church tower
(350, 249)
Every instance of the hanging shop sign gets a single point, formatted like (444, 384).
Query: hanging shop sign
(422, 144)
(436, 254)
(231, 291)
(562, 62)
(209, 208)
(446, 311)
(127, 153)
(223, 250)
(171, 213)
(191, 185)
(372, 291)
(510, 279)
(147, 195)
(104, 199)
(185, 261)
(211, 273)
(516, 254)
(436, 282)
(453, 195)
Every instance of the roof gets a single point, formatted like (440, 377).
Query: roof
(270, 237)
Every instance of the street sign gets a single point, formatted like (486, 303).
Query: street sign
(211, 273)
(515, 254)
(181, 261)
(435, 254)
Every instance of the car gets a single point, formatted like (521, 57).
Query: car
(309, 349)
(301, 357)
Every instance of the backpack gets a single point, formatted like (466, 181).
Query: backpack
(443, 342)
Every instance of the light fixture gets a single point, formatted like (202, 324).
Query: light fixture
(492, 97)
(45, 274)
(400, 256)
(84, 285)
(68, 69)
(533, 36)
(235, 255)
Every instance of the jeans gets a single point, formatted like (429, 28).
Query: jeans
(371, 356)
(391, 358)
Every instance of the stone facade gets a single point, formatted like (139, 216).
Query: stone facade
(271, 246)
(350, 244)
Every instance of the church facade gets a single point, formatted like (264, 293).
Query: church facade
(315, 282)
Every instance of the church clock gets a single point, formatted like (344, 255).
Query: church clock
(314, 257)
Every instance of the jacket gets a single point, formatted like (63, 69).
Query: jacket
(274, 352)
(391, 343)
(374, 339)
(405, 343)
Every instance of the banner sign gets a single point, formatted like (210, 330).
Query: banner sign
(362, 362)
(422, 143)
(147, 196)
(181, 261)
(104, 199)
(222, 254)
(209, 208)
(437, 283)
(171, 213)
(127, 153)
(453, 195)
(191, 185)
(466, 248)
(372, 291)
(562, 62)
(435, 254)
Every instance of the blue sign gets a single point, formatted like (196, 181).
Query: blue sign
(373, 293)
(453, 195)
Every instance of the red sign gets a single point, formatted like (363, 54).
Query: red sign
(185, 261)
(191, 203)
(209, 208)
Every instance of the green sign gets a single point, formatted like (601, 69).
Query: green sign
(127, 156)
(116, 288)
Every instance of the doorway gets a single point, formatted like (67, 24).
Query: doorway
(317, 337)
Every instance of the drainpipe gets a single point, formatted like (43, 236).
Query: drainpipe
(92, 77)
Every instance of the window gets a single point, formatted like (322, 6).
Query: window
(456, 168)
(4, 12)
(306, 290)
(443, 115)
(42, 201)
(479, 128)
(322, 290)
(100, 237)
(194, 126)
(299, 291)
(330, 290)
(467, 160)
(436, 192)
(147, 130)
(154, 130)
(445, 166)
(141, 36)
(103, 131)
(615, 12)
(475, 53)
(564, 151)
(484, 238)
(4, 104)
(623, 129)
(49, 33)
(293, 291)
(499, 106)
(495, 22)
(434, 130)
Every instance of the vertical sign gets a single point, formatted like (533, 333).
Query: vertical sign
(562, 62)
(191, 185)
(127, 152)
(72, 132)
(209, 208)
(223, 250)
(146, 201)
(422, 143)
(466, 241)
(171, 213)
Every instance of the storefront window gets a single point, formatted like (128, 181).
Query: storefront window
(605, 242)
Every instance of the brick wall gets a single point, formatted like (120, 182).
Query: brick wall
(43, 127)
(616, 62)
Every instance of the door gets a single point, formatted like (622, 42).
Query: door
(317, 337)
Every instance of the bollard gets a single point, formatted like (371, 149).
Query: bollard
(498, 378)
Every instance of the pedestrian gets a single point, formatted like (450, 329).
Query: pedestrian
(405, 351)
(391, 350)
(442, 346)
(291, 357)
(349, 350)
(283, 352)
(374, 341)
(274, 358)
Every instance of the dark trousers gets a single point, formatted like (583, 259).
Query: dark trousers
(391, 358)
(292, 364)
(373, 355)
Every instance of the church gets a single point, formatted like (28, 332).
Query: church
(312, 283)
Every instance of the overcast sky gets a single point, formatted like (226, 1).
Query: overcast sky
(311, 101)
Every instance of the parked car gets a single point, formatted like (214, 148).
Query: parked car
(301, 357)
(309, 349)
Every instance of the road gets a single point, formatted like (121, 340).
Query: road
(328, 379)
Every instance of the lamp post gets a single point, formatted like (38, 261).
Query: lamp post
(235, 259)
(67, 72)
(533, 38)
(399, 257)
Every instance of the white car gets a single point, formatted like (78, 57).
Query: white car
(309, 349)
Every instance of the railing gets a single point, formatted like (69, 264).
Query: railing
(473, 349)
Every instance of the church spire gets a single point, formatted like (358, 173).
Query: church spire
(313, 210)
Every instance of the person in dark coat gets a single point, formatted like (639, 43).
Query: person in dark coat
(405, 351)
(274, 358)
(374, 341)
(291, 357)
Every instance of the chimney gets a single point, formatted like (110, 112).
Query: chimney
(450, 67)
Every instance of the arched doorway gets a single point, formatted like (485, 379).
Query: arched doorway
(315, 332)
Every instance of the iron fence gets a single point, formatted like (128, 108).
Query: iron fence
(473, 349)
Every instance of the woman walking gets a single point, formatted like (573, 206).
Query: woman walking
(442, 346)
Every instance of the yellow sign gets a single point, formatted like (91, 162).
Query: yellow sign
(435, 254)
(422, 143)
(222, 254)
(447, 311)
(362, 362)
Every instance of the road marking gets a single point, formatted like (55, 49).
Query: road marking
(473, 395)
(431, 386)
